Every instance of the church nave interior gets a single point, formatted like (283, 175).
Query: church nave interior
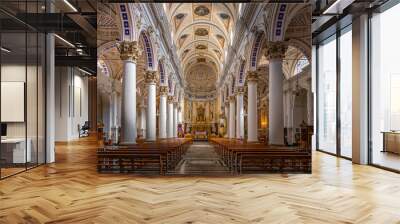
(199, 112)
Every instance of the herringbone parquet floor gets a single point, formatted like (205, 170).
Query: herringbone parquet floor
(71, 191)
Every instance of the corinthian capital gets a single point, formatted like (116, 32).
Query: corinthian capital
(129, 50)
(252, 76)
(239, 90)
(163, 90)
(275, 50)
(151, 77)
(170, 99)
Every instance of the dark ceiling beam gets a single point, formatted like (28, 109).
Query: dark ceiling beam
(89, 30)
(78, 61)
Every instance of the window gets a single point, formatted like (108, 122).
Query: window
(346, 92)
(385, 89)
(327, 95)
(300, 65)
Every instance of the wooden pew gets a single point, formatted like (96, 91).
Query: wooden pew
(160, 156)
(240, 156)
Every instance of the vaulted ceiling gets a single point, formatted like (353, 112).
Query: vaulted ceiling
(201, 32)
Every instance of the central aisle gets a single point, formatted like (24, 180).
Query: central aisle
(201, 159)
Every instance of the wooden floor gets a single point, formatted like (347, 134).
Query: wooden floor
(71, 191)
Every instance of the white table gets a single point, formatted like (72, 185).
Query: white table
(17, 146)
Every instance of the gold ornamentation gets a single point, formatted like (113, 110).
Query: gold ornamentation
(201, 10)
(170, 99)
(151, 77)
(239, 90)
(232, 98)
(252, 76)
(201, 32)
(275, 50)
(129, 50)
(163, 90)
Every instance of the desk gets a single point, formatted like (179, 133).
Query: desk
(13, 150)
(391, 141)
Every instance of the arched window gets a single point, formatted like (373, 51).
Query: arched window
(300, 65)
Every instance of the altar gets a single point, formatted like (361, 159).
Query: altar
(200, 135)
(201, 122)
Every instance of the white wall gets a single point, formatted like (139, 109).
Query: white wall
(71, 102)
(33, 126)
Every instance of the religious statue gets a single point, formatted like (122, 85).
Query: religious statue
(200, 114)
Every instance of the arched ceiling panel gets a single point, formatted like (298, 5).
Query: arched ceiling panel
(201, 32)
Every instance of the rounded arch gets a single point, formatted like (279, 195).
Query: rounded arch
(104, 68)
(282, 16)
(240, 80)
(255, 50)
(301, 46)
(295, 57)
(148, 50)
(105, 47)
(127, 22)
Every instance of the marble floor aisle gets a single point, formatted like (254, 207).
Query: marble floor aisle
(201, 159)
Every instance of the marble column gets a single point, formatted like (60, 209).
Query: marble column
(151, 80)
(163, 112)
(232, 117)
(129, 52)
(114, 98)
(239, 113)
(179, 114)
(252, 129)
(289, 105)
(275, 53)
(170, 120)
(175, 130)
(227, 118)
(143, 124)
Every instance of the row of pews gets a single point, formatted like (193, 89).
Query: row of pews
(242, 157)
(145, 157)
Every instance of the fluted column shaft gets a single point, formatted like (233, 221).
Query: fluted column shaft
(163, 112)
(151, 80)
(175, 130)
(143, 120)
(232, 117)
(170, 121)
(129, 52)
(252, 135)
(239, 114)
